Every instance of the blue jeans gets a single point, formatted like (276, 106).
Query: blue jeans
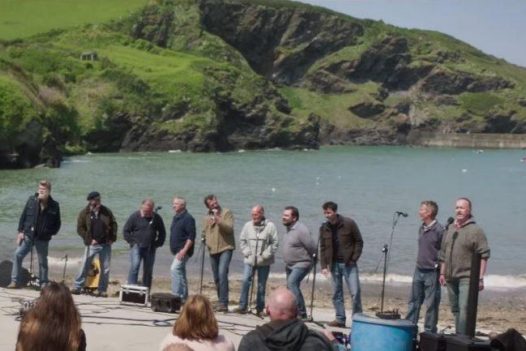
(138, 254)
(22, 251)
(458, 291)
(425, 290)
(262, 272)
(294, 278)
(179, 282)
(349, 273)
(220, 263)
(104, 252)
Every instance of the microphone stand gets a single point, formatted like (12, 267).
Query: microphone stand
(254, 268)
(33, 279)
(387, 256)
(65, 267)
(203, 241)
(253, 273)
(315, 258)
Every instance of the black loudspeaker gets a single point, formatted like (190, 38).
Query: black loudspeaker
(432, 342)
(165, 302)
(5, 274)
(465, 343)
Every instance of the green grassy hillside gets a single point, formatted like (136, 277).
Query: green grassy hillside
(213, 75)
(24, 18)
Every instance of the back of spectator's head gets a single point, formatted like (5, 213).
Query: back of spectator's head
(178, 347)
(282, 304)
(197, 320)
(52, 324)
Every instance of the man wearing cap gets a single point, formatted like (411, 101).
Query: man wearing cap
(96, 225)
(40, 220)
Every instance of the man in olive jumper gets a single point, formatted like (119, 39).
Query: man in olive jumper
(218, 233)
(460, 242)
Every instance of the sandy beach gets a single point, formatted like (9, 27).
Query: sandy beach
(112, 326)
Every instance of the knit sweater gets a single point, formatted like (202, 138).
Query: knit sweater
(458, 246)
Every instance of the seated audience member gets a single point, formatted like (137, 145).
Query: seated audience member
(53, 324)
(197, 328)
(285, 331)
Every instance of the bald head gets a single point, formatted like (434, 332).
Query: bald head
(282, 304)
(257, 214)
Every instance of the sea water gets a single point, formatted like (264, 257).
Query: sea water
(369, 184)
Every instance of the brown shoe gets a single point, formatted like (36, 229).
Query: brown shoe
(261, 314)
(336, 324)
(221, 308)
(239, 310)
(13, 285)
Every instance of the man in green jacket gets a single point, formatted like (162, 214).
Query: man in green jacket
(460, 242)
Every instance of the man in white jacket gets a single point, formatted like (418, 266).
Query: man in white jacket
(259, 243)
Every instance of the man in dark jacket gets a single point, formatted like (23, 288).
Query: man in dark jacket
(40, 220)
(284, 331)
(340, 248)
(97, 227)
(145, 232)
(182, 238)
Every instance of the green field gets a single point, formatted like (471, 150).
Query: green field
(24, 18)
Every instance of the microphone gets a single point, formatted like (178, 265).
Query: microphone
(450, 221)
(403, 214)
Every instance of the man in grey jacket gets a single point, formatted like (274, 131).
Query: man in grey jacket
(259, 243)
(298, 252)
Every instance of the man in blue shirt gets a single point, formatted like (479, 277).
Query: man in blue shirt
(182, 239)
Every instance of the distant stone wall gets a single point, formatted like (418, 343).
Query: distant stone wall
(473, 140)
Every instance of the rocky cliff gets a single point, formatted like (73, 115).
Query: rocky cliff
(219, 75)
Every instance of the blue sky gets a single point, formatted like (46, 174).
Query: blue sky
(497, 27)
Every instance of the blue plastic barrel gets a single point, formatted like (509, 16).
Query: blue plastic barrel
(375, 334)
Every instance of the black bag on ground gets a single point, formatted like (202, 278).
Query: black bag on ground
(165, 302)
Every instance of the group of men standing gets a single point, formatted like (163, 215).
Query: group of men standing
(443, 258)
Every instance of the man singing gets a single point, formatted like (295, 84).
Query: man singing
(40, 220)
(426, 289)
(97, 227)
(298, 252)
(144, 231)
(218, 232)
(182, 240)
(259, 242)
(341, 245)
(460, 242)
